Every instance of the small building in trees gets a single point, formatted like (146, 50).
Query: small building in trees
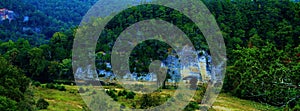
(6, 14)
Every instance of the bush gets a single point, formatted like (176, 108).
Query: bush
(73, 91)
(94, 92)
(122, 106)
(65, 82)
(296, 108)
(133, 105)
(294, 105)
(56, 86)
(130, 95)
(36, 83)
(150, 100)
(7, 104)
(192, 106)
(115, 98)
(42, 104)
(158, 90)
(111, 93)
(81, 90)
(122, 93)
(61, 88)
(50, 86)
(26, 105)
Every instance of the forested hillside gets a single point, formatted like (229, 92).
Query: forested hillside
(262, 39)
(69, 12)
(38, 20)
(28, 23)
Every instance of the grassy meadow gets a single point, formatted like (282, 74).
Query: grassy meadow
(70, 100)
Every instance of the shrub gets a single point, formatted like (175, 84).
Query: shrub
(296, 108)
(50, 85)
(36, 83)
(94, 92)
(150, 100)
(111, 93)
(118, 86)
(7, 104)
(133, 105)
(294, 105)
(192, 106)
(122, 106)
(81, 90)
(130, 95)
(61, 88)
(122, 93)
(115, 98)
(72, 91)
(42, 104)
(114, 90)
(56, 86)
(158, 90)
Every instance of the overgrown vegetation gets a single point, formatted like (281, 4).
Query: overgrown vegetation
(42, 104)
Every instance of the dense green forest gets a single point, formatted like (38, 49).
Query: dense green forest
(262, 39)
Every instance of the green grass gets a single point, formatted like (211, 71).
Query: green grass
(227, 102)
(68, 101)
(60, 100)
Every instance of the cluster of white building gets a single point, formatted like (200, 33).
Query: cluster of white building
(200, 69)
(6, 14)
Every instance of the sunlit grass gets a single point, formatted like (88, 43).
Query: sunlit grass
(228, 102)
(70, 100)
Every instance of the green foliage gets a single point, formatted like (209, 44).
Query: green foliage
(13, 86)
(36, 83)
(50, 86)
(87, 90)
(43, 63)
(130, 95)
(39, 27)
(55, 86)
(94, 92)
(81, 90)
(122, 93)
(42, 104)
(7, 104)
(67, 12)
(192, 106)
(262, 40)
(112, 94)
(150, 100)
(12, 82)
(296, 108)
(61, 88)
(262, 75)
